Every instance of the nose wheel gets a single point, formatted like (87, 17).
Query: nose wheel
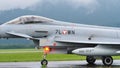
(44, 61)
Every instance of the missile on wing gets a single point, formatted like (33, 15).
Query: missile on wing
(83, 51)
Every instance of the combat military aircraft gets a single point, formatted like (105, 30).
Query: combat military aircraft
(65, 37)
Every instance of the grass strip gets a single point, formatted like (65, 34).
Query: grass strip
(28, 55)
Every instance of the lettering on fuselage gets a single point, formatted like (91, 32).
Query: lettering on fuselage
(65, 32)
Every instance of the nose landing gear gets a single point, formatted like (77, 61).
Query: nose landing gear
(46, 51)
(44, 61)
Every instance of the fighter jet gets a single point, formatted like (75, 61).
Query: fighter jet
(65, 37)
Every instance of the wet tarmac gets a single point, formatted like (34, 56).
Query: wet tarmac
(58, 64)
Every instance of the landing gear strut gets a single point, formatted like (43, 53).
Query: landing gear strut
(90, 59)
(46, 51)
(107, 60)
(44, 61)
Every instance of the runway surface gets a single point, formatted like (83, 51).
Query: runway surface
(58, 64)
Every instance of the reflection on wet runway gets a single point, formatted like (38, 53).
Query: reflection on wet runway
(58, 64)
(80, 64)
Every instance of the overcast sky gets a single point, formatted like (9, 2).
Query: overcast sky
(90, 5)
(85, 11)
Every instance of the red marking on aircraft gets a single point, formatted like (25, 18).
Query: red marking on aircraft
(54, 44)
(64, 32)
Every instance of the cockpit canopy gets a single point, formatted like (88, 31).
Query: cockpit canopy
(30, 19)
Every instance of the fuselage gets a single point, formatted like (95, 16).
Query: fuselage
(83, 32)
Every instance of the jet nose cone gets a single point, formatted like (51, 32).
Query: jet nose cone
(76, 51)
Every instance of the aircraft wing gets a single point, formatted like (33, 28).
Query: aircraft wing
(84, 40)
(20, 35)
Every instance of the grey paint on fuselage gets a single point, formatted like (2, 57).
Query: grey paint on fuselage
(80, 32)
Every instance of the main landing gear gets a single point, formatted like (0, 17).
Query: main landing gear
(107, 60)
(44, 61)
(90, 59)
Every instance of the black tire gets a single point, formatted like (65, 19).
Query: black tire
(90, 59)
(107, 60)
(44, 62)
